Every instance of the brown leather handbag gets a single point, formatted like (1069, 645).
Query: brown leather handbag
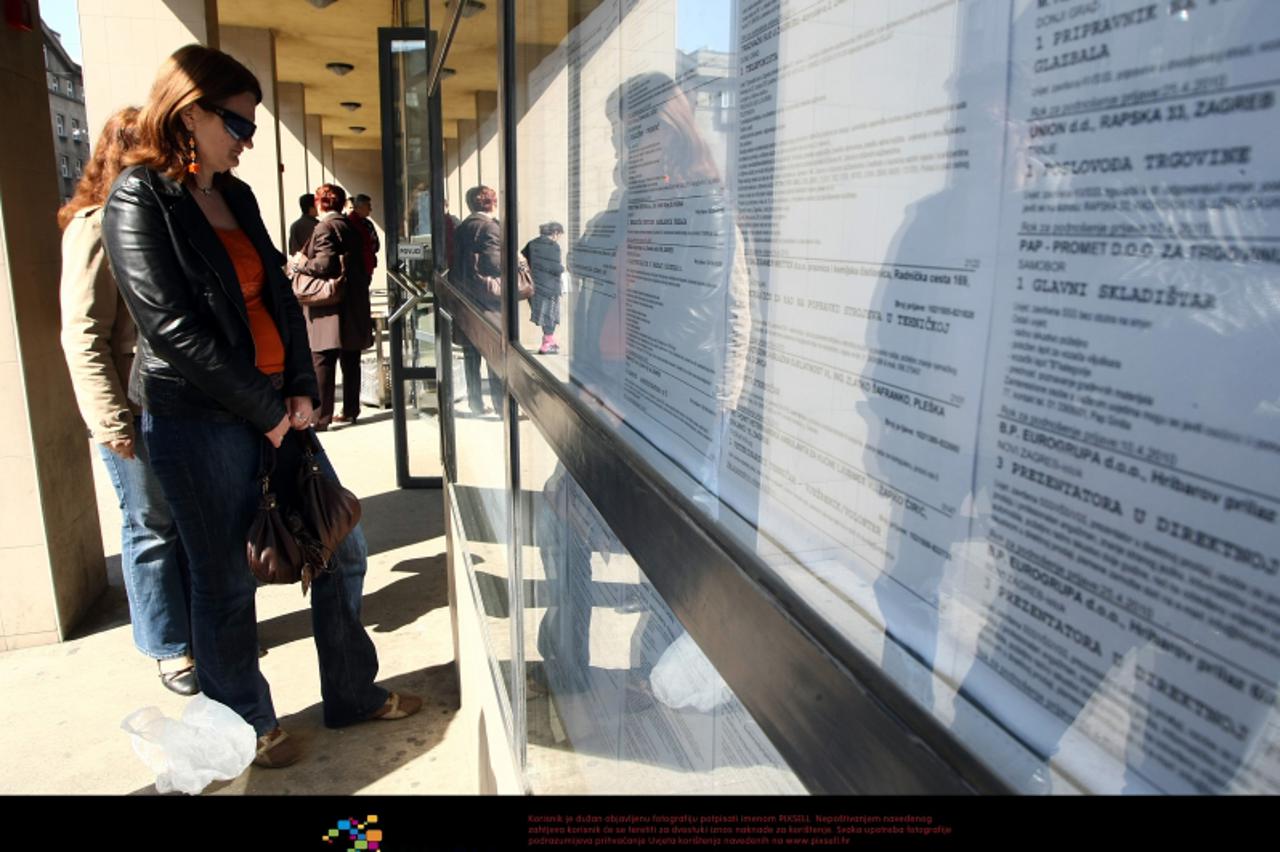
(329, 511)
(524, 279)
(292, 538)
(317, 292)
(493, 284)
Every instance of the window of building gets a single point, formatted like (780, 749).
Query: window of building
(817, 322)
(75, 129)
(79, 167)
(60, 123)
(71, 89)
(53, 83)
(65, 166)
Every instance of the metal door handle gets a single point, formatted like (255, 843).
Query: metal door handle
(415, 294)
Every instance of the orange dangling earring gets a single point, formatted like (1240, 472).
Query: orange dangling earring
(193, 167)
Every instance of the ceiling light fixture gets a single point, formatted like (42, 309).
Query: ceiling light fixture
(469, 8)
(322, 4)
(447, 72)
(351, 106)
(342, 69)
(357, 129)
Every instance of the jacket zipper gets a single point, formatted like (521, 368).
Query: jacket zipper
(243, 317)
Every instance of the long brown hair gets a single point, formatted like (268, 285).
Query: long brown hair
(192, 74)
(685, 154)
(118, 136)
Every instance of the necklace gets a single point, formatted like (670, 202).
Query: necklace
(205, 190)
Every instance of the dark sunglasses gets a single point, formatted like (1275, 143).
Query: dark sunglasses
(240, 128)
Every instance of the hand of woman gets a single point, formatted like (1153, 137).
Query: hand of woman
(123, 447)
(277, 433)
(300, 411)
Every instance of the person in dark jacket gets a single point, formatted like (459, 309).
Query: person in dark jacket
(222, 362)
(476, 270)
(300, 231)
(543, 254)
(339, 332)
(361, 210)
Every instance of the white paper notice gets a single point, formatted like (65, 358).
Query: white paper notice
(1129, 472)
(871, 206)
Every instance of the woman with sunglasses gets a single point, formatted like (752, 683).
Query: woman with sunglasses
(223, 361)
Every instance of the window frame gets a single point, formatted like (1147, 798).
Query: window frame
(852, 729)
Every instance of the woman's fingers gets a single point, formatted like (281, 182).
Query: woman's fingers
(300, 412)
(122, 447)
(276, 435)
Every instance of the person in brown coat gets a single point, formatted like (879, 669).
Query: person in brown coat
(338, 332)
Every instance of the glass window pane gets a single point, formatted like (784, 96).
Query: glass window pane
(412, 201)
(969, 350)
(615, 687)
(473, 183)
(480, 489)
(422, 401)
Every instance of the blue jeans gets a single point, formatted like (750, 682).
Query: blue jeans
(208, 471)
(152, 561)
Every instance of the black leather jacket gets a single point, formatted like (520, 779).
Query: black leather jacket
(195, 351)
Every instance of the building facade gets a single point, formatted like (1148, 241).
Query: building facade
(66, 110)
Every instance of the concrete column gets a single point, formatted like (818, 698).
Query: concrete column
(453, 178)
(260, 167)
(315, 142)
(543, 140)
(51, 562)
(488, 146)
(468, 162)
(124, 42)
(326, 157)
(293, 148)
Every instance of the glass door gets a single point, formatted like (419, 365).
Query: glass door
(409, 116)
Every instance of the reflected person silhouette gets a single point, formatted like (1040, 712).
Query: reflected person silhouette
(476, 270)
(662, 319)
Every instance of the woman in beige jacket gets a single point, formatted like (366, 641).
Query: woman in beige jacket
(98, 339)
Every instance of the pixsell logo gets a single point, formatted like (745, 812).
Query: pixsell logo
(352, 834)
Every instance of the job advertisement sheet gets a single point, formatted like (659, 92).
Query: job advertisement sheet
(870, 210)
(1129, 471)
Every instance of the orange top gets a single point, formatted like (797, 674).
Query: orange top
(268, 347)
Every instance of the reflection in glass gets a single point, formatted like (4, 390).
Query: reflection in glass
(615, 687)
(476, 272)
(408, 236)
(545, 258)
(480, 490)
(413, 167)
(964, 350)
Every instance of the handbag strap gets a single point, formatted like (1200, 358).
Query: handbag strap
(311, 444)
(266, 464)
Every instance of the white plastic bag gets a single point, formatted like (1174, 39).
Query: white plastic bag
(684, 677)
(210, 743)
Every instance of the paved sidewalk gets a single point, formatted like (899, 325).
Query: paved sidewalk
(63, 704)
